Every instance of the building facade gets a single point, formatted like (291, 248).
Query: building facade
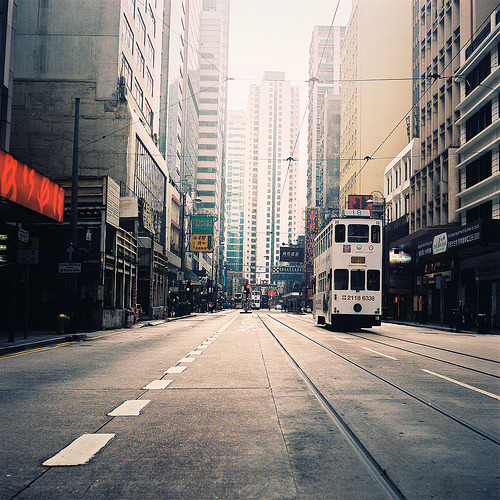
(324, 117)
(271, 207)
(111, 71)
(376, 89)
(234, 216)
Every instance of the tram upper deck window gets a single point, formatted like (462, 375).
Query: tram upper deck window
(339, 233)
(358, 233)
(341, 279)
(375, 234)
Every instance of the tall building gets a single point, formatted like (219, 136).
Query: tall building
(323, 167)
(107, 55)
(271, 207)
(376, 92)
(234, 215)
(214, 43)
(7, 10)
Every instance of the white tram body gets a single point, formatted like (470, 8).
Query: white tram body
(348, 272)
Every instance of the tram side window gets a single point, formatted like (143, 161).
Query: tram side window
(375, 234)
(339, 233)
(373, 279)
(358, 233)
(341, 279)
(358, 280)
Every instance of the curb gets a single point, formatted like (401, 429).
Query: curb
(41, 343)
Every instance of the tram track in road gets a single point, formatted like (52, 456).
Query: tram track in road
(409, 393)
(428, 346)
(375, 469)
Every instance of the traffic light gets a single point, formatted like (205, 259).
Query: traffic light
(189, 284)
(247, 290)
(6, 248)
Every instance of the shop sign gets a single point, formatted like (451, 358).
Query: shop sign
(439, 243)
(291, 254)
(23, 185)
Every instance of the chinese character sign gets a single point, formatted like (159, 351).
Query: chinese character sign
(202, 233)
(201, 243)
(312, 230)
(23, 185)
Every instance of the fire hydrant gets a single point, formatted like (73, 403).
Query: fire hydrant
(61, 322)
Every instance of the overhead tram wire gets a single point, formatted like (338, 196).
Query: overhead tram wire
(435, 77)
(313, 80)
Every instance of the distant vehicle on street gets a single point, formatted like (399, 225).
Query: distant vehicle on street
(348, 271)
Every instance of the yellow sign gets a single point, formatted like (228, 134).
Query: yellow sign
(202, 243)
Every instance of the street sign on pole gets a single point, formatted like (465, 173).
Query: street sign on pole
(70, 253)
(70, 268)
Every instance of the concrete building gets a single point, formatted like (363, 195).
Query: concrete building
(323, 168)
(107, 56)
(376, 92)
(7, 15)
(271, 207)
(478, 167)
(235, 196)
(214, 44)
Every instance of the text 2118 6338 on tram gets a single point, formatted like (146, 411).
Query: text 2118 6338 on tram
(348, 272)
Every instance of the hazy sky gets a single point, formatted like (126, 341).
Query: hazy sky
(274, 35)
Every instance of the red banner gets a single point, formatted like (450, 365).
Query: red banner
(23, 185)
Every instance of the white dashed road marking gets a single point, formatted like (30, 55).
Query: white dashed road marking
(195, 353)
(186, 360)
(462, 384)
(129, 408)
(158, 384)
(80, 451)
(175, 369)
(379, 353)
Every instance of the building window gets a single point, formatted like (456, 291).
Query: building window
(149, 82)
(138, 94)
(483, 212)
(478, 121)
(126, 72)
(148, 112)
(478, 74)
(478, 170)
(150, 51)
(128, 35)
(141, 27)
(139, 60)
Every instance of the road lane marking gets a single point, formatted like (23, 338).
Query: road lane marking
(195, 353)
(130, 408)
(158, 384)
(80, 451)
(462, 384)
(207, 342)
(202, 347)
(30, 351)
(343, 340)
(175, 369)
(186, 360)
(379, 353)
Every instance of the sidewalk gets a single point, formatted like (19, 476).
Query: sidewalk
(437, 326)
(38, 339)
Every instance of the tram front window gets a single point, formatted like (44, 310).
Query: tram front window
(358, 280)
(375, 234)
(358, 233)
(373, 279)
(341, 279)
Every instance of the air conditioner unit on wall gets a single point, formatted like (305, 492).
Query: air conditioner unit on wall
(122, 89)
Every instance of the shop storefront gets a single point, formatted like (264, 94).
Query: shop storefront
(458, 272)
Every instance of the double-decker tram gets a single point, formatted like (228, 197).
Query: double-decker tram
(348, 272)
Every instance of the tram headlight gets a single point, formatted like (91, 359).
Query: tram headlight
(357, 308)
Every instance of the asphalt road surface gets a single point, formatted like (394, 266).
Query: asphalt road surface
(261, 405)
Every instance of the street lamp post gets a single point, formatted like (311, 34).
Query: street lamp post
(197, 199)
